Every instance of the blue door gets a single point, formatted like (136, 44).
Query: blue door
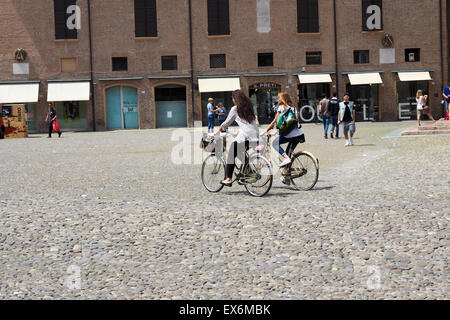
(171, 114)
(122, 108)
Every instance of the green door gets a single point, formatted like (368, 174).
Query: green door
(122, 108)
(171, 114)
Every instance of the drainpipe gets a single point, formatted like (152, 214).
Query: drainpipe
(441, 47)
(192, 62)
(94, 126)
(336, 48)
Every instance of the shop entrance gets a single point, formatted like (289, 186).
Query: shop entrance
(407, 105)
(366, 101)
(265, 99)
(122, 108)
(309, 96)
(171, 106)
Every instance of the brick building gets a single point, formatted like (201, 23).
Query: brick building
(152, 63)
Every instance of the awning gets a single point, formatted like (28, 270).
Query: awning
(68, 91)
(414, 76)
(315, 78)
(218, 84)
(364, 78)
(19, 93)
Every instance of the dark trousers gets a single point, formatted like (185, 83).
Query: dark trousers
(2, 132)
(236, 150)
(334, 121)
(50, 129)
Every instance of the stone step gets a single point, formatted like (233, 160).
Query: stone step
(415, 132)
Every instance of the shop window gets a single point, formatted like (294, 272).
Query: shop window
(62, 30)
(218, 17)
(313, 58)
(217, 61)
(361, 56)
(169, 62)
(120, 64)
(265, 59)
(145, 18)
(412, 55)
(68, 64)
(307, 16)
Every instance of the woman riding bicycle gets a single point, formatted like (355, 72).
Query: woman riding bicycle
(243, 114)
(294, 137)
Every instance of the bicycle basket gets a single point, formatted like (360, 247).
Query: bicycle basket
(208, 144)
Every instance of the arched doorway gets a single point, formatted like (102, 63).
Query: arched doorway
(171, 106)
(122, 108)
(265, 97)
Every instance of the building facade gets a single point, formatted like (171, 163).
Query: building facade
(128, 64)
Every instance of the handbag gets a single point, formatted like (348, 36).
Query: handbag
(55, 126)
(286, 122)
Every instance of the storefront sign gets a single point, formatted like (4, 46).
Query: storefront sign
(372, 15)
(266, 85)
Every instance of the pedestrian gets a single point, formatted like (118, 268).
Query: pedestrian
(422, 107)
(446, 95)
(244, 115)
(211, 115)
(333, 111)
(221, 113)
(2, 128)
(51, 119)
(294, 136)
(347, 116)
(325, 115)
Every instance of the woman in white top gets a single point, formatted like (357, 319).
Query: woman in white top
(245, 117)
(422, 107)
(294, 137)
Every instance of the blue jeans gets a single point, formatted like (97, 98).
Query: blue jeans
(211, 123)
(293, 142)
(334, 121)
(326, 123)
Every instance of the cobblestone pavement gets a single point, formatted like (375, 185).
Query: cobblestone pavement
(108, 215)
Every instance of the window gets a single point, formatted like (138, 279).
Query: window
(217, 61)
(68, 64)
(145, 18)
(62, 30)
(307, 16)
(412, 55)
(314, 58)
(120, 64)
(361, 56)
(218, 17)
(265, 59)
(169, 62)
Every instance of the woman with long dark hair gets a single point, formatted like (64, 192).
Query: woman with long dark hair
(243, 114)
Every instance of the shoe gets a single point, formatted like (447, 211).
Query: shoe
(59, 134)
(325, 136)
(331, 135)
(285, 181)
(337, 136)
(351, 142)
(347, 143)
(226, 184)
(285, 162)
(49, 137)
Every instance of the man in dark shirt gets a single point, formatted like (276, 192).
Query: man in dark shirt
(51, 118)
(2, 128)
(347, 116)
(333, 110)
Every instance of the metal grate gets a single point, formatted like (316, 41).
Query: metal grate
(218, 61)
(169, 62)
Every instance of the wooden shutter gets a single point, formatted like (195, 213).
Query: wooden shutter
(218, 17)
(213, 10)
(307, 16)
(152, 23)
(145, 18)
(139, 18)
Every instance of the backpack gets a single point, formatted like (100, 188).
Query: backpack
(286, 122)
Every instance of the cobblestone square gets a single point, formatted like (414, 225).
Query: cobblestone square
(109, 216)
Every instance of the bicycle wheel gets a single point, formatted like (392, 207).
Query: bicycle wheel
(259, 177)
(303, 171)
(213, 173)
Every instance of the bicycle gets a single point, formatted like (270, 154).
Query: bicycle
(302, 172)
(255, 174)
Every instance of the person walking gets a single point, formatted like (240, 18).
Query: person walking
(51, 118)
(221, 113)
(294, 136)
(333, 110)
(347, 116)
(422, 107)
(211, 115)
(446, 94)
(244, 115)
(325, 115)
